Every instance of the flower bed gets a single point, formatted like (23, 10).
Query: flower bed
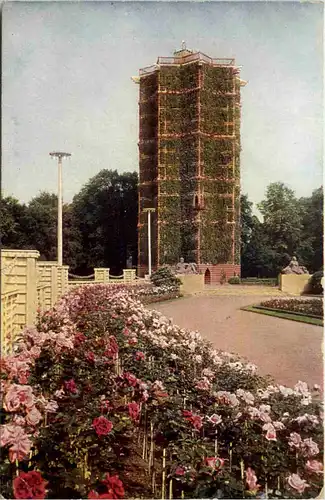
(106, 399)
(308, 307)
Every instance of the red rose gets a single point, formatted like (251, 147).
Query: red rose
(180, 471)
(197, 422)
(29, 485)
(102, 426)
(92, 495)
(79, 338)
(214, 462)
(114, 486)
(132, 379)
(90, 356)
(133, 341)
(134, 411)
(187, 414)
(70, 385)
(112, 348)
(139, 356)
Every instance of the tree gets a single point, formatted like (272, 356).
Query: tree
(310, 250)
(282, 223)
(106, 210)
(247, 220)
(39, 225)
(256, 255)
(11, 215)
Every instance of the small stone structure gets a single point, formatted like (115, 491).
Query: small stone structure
(294, 268)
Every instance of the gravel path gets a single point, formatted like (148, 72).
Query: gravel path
(287, 350)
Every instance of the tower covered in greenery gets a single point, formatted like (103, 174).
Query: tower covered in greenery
(189, 158)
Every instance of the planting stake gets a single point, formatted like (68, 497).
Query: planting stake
(230, 456)
(153, 482)
(182, 494)
(144, 445)
(163, 486)
(216, 445)
(151, 447)
(170, 489)
(242, 469)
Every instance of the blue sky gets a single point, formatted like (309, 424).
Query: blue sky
(67, 85)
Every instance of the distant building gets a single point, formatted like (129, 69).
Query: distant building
(189, 163)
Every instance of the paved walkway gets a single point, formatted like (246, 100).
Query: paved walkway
(287, 350)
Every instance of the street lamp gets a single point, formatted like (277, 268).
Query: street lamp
(59, 155)
(149, 210)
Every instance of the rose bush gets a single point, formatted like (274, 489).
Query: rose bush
(303, 305)
(106, 399)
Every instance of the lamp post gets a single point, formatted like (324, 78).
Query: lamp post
(149, 211)
(59, 155)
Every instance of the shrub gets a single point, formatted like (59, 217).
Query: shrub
(234, 280)
(315, 286)
(165, 277)
(104, 393)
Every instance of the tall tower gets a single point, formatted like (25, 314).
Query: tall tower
(189, 159)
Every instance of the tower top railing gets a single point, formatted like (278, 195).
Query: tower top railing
(176, 60)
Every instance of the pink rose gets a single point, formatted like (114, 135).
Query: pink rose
(180, 471)
(51, 407)
(314, 466)
(6, 434)
(214, 462)
(33, 417)
(139, 356)
(265, 417)
(295, 440)
(271, 435)
(279, 426)
(297, 483)
(309, 448)
(35, 352)
(203, 385)
(215, 419)
(19, 395)
(251, 480)
(21, 444)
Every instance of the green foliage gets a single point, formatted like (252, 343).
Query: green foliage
(105, 211)
(12, 230)
(310, 249)
(315, 286)
(282, 223)
(34, 226)
(291, 226)
(165, 277)
(234, 280)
